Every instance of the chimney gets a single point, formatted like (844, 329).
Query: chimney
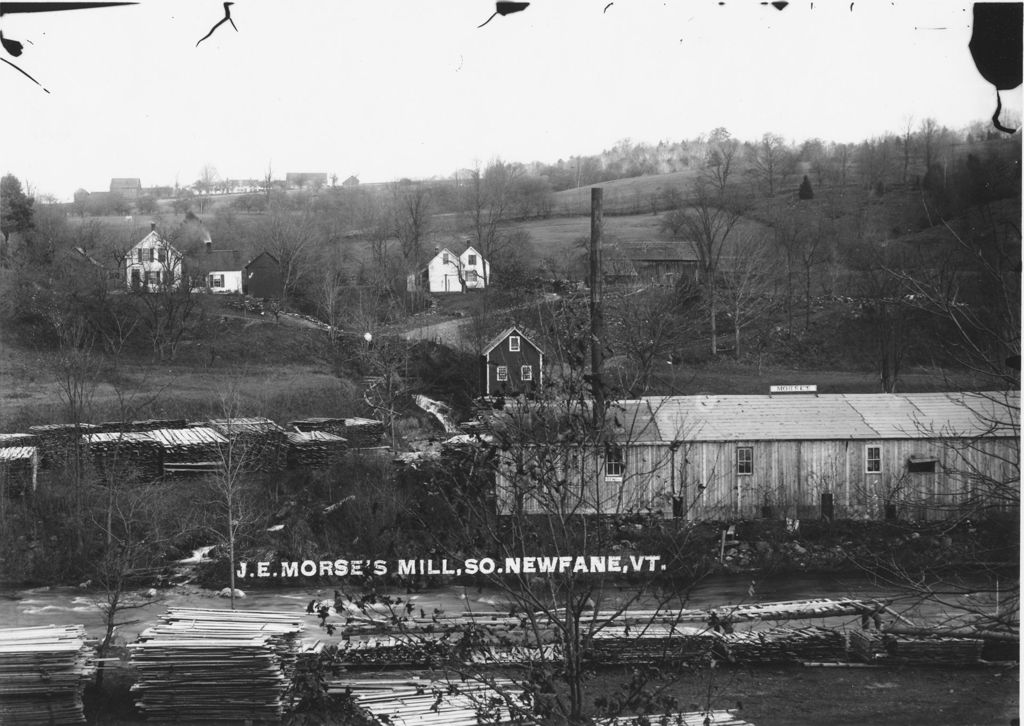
(208, 245)
(152, 226)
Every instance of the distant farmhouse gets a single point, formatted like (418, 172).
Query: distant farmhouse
(153, 264)
(220, 269)
(352, 181)
(306, 180)
(449, 272)
(129, 188)
(511, 364)
(923, 456)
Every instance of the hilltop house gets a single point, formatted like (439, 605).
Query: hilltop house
(127, 187)
(153, 263)
(925, 456)
(449, 272)
(510, 364)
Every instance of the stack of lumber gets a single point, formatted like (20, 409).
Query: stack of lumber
(58, 443)
(19, 466)
(418, 702)
(652, 643)
(933, 650)
(43, 672)
(18, 440)
(117, 453)
(334, 426)
(783, 645)
(388, 650)
(690, 718)
(315, 449)
(198, 450)
(363, 433)
(216, 665)
(822, 607)
(867, 646)
(260, 441)
(150, 424)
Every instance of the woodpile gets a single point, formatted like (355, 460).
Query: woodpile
(361, 433)
(216, 665)
(822, 607)
(783, 645)
(259, 440)
(875, 647)
(653, 643)
(43, 672)
(118, 453)
(144, 425)
(419, 702)
(59, 442)
(19, 468)
(314, 449)
(867, 647)
(196, 450)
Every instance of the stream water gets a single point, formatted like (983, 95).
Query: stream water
(66, 605)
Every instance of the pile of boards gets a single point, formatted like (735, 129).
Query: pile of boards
(652, 643)
(690, 718)
(314, 449)
(193, 450)
(873, 647)
(43, 672)
(58, 442)
(216, 665)
(782, 645)
(360, 433)
(118, 453)
(419, 702)
(259, 441)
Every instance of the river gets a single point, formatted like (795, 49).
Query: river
(67, 605)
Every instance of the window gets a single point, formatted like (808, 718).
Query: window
(152, 278)
(921, 464)
(526, 373)
(216, 280)
(744, 459)
(513, 343)
(471, 260)
(502, 373)
(614, 462)
(139, 253)
(161, 254)
(445, 259)
(152, 254)
(470, 275)
(873, 459)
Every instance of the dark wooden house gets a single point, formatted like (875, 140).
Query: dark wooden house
(662, 262)
(262, 277)
(511, 364)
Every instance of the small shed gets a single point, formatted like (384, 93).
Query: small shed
(511, 364)
(662, 262)
(261, 277)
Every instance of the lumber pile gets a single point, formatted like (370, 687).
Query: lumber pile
(116, 453)
(652, 643)
(314, 449)
(689, 718)
(783, 645)
(150, 424)
(821, 607)
(867, 646)
(388, 650)
(216, 665)
(19, 467)
(334, 426)
(57, 443)
(259, 440)
(419, 702)
(194, 450)
(361, 433)
(43, 671)
(933, 650)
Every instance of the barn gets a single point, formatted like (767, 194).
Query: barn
(262, 277)
(921, 456)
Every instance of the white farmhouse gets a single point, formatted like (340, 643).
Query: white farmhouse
(449, 272)
(153, 264)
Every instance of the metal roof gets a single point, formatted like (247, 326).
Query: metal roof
(836, 416)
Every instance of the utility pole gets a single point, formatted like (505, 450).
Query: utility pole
(596, 306)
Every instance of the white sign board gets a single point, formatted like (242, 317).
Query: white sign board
(793, 389)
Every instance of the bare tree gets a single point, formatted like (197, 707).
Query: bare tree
(773, 162)
(487, 203)
(722, 151)
(707, 224)
(747, 280)
(411, 210)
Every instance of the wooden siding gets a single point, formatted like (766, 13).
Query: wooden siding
(528, 354)
(789, 477)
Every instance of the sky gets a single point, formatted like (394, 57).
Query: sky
(413, 88)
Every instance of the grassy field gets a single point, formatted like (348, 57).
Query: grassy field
(624, 196)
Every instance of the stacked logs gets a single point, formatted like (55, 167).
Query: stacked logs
(260, 441)
(916, 649)
(215, 665)
(653, 643)
(194, 450)
(117, 453)
(43, 672)
(361, 433)
(58, 443)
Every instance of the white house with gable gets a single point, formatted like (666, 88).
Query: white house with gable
(449, 272)
(153, 264)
